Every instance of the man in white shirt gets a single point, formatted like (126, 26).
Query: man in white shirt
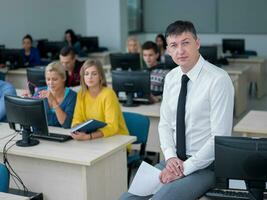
(208, 113)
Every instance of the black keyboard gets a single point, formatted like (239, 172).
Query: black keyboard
(53, 137)
(228, 194)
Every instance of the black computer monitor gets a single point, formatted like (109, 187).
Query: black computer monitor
(51, 49)
(36, 78)
(28, 116)
(12, 57)
(242, 158)
(89, 43)
(209, 53)
(169, 63)
(125, 61)
(131, 82)
(234, 46)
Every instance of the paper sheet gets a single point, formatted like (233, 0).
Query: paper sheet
(146, 180)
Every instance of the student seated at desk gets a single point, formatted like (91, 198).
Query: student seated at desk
(150, 55)
(59, 100)
(133, 45)
(97, 101)
(5, 89)
(30, 55)
(71, 40)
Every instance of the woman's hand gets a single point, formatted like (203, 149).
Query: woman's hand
(80, 136)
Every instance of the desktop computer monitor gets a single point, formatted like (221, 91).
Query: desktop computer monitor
(12, 57)
(28, 116)
(36, 78)
(89, 43)
(169, 63)
(51, 49)
(234, 46)
(125, 61)
(131, 82)
(209, 53)
(241, 158)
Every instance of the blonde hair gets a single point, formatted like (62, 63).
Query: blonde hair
(92, 63)
(56, 67)
(135, 40)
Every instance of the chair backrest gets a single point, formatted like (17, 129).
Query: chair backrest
(4, 178)
(138, 125)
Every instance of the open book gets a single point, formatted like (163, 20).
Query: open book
(89, 126)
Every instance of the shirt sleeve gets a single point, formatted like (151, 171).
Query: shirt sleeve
(111, 113)
(221, 114)
(69, 108)
(165, 129)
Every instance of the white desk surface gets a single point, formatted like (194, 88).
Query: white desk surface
(152, 110)
(253, 123)
(252, 59)
(74, 152)
(7, 196)
(235, 69)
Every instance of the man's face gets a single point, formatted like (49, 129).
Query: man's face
(184, 50)
(150, 57)
(27, 44)
(68, 62)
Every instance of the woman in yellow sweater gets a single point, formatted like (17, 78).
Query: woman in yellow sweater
(97, 101)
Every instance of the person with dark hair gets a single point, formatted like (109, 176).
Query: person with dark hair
(150, 53)
(162, 45)
(72, 41)
(204, 96)
(97, 101)
(72, 66)
(5, 89)
(30, 54)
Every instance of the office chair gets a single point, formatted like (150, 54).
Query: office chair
(4, 178)
(2, 76)
(138, 125)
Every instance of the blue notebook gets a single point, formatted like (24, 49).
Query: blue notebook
(89, 126)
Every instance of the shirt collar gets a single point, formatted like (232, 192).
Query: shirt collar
(194, 72)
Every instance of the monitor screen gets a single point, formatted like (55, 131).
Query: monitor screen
(209, 53)
(125, 61)
(51, 49)
(36, 78)
(131, 82)
(234, 46)
(89, 43)
(169, 63)
(241, 158)
(29, 114)
(12, 58)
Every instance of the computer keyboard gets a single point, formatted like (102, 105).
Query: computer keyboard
(53, 137)
(228, 194)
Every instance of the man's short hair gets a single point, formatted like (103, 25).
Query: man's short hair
(28, 36)
(150, 45)
(179, 27)
(67, 50)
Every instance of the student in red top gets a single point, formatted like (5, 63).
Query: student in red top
(72, 66)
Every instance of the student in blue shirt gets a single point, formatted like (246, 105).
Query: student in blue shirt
(31, 56)
(5, 89)
(59, 100)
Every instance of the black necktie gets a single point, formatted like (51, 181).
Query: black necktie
(180, 120)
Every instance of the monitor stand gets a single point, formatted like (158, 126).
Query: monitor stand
(26, 140)
(129, 101)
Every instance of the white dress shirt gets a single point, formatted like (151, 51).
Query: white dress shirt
(208, 112)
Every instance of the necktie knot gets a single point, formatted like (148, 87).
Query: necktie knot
(185, 79)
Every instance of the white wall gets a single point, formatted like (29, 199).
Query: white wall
(41, 18)
(252, 42)
(108, 20)
(50, 18)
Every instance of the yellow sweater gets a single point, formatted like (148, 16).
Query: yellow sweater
(105, 107)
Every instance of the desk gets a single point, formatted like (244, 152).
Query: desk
(253, 124)
(257, 72)
(153, 112)
(7, 196)
(17, 77)
(239, 76)
(83, 170)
